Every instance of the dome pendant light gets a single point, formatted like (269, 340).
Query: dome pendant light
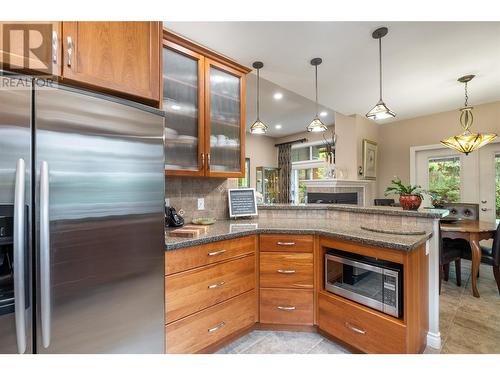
(316, 125)
(467, 141)
(258, 127)
(380, 111)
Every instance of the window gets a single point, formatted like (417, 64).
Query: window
(444, 178)
(298, 188)
(300, 154)
(497, 185)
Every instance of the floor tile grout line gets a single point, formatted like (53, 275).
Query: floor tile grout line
(321, 339)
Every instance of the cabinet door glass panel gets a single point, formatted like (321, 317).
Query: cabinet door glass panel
(225, 120)
(180, 93)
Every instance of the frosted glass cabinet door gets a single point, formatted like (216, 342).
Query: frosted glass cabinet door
(182, 80)
(225, 117)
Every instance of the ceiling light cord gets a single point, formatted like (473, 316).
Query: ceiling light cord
(466, 96)
(258, 95)
(380, 65)
(316, 85)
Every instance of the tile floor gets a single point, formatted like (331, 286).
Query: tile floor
(468, 324)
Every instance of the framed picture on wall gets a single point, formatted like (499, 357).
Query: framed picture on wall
(369, 159)
(244, 182)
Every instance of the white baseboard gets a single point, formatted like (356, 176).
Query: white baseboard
(434, 340)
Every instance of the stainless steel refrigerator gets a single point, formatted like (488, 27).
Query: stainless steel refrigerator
(81, 222)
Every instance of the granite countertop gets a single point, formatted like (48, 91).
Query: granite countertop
(386, 210)
(227, 229)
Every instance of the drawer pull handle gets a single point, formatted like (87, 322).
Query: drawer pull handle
(213, 253)
(217, 327)
(352, 328)
(285, 243)
(286, 308)
(216, 285)
(286, 271)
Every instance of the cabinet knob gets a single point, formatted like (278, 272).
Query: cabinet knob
(216, 285)
(55, 46)
(286, 308)
(217, 327)
(352, 328)
(286, 271)
(69, 50)
(213, 253)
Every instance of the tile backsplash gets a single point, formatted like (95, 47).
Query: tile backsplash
(183, 193)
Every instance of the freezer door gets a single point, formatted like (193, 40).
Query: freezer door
(15, 223)
(100, 225)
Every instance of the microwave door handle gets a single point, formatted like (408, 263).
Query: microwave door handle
(45, 297)
(19, 256)
(354, 263)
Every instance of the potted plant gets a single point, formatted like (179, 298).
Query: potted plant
(410, 196)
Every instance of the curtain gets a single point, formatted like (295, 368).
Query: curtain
(285, 166)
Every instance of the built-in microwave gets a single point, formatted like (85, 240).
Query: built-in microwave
(369, 281)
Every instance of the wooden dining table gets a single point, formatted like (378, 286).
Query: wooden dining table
(472, 231)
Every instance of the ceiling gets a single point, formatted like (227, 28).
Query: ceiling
(421, 62)
(293, 111)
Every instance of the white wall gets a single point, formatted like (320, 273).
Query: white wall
(262, 153)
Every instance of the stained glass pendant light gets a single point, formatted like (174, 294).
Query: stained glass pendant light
(258, 127)
(467, 141)
(316, 125)
(380, 111)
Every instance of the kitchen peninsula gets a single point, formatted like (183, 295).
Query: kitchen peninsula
(269, 273)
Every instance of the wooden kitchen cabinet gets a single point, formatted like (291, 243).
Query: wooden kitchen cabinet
(117, 57)
(204, 103)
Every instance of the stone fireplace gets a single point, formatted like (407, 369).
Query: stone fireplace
(364, 189)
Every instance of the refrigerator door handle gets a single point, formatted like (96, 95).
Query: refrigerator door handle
(45, 298)
(19, 256)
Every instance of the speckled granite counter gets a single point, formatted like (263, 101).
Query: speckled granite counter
(227, 229)
(384, 210)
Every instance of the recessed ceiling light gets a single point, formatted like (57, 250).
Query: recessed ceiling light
(278, 96)
(175, 107)
(323, 113)
(277, 126)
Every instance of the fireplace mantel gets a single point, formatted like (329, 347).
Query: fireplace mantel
(335, 182)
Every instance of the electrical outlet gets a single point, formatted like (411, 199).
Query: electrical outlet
(167, 202)
(201, 203)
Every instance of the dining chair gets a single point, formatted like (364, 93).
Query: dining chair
(449, 251)
(490, 255)
(462, 211)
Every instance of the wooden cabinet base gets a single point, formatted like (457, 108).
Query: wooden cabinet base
(361, 327)
(199, 331)
(286, 306)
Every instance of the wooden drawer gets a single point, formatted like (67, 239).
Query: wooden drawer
(286, 306)
(359, 326)
(284, 242)
(196, 332)
(191, 291)
(196, 256)
(286, 270)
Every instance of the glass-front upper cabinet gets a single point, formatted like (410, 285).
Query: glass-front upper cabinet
(203, 100)
(183, 103)
(225, 124)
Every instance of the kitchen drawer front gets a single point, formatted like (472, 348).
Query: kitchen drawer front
(286, 306)
(284, 242)
(286, 270)
(197, 256)
(359, 327)
(191, 291)
(196, 332)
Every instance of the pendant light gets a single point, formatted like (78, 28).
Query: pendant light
(258, 127)
(380, 111)
(467, 141)
(316, 125)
